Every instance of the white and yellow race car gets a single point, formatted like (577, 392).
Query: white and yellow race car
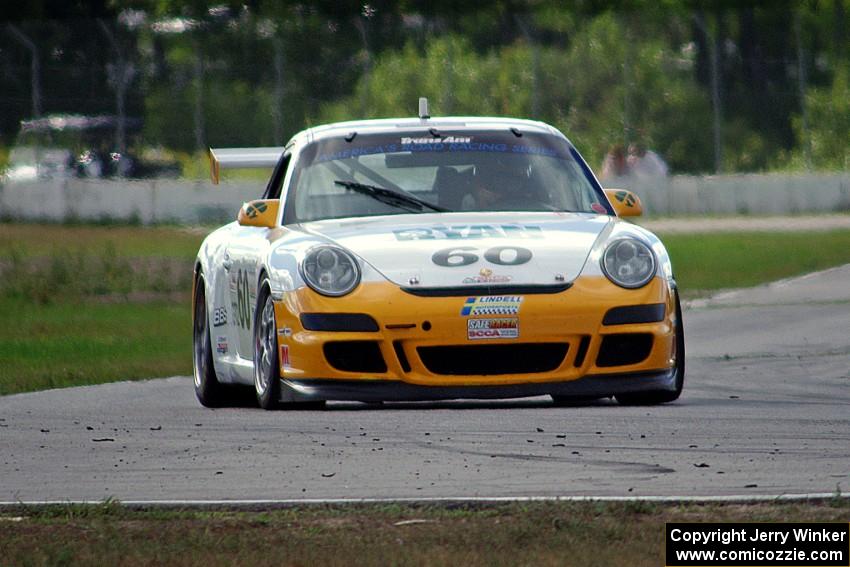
(433, 258)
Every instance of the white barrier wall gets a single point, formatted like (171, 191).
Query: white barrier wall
(754, 194)
(145, 201)
(180, 201)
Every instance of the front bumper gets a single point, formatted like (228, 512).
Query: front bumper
(409, 327)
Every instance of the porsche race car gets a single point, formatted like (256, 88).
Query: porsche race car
(433, 258)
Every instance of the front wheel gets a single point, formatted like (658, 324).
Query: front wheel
(266, 367)
(664, 396)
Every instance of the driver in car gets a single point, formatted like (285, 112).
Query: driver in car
(493, 184)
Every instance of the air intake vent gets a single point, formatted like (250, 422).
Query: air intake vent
(493, 359)
(355, 356)
(623, 349)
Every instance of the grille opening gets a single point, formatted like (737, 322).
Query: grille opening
(355, 356)
(582, 351)
(402, 358)
(493, 359)
(624, 348)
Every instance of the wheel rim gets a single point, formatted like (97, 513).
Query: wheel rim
(264, 347)
(200, 335)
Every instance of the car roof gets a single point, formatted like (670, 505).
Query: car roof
(386, 125)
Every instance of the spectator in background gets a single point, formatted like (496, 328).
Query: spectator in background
(615, 163)
(645, 163)
(89, 164)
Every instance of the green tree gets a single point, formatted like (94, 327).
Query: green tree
(601, 91)
(829, 124)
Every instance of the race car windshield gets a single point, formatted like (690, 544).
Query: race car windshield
(389, 197)
(414, 172)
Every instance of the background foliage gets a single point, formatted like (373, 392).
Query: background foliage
(711, 85)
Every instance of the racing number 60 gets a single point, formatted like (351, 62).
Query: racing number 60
(465, 255)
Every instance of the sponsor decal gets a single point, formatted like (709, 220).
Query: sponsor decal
(254, 210)
(286, 332)
(355, 152)
(284, 356)
(486, 276)
(625, 197)
(469, 232)
(219, 317)
(445, 140)
(504, 328)
(536, 150)
(221, 345)
(444, 144)
(491, 305)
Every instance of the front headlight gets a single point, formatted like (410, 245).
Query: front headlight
(629, 263)
(330, 270)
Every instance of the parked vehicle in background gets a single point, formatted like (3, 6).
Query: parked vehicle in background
(69, 145)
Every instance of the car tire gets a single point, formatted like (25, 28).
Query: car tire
(266, 363)
(268, 386)
(210, 392)
(664, 396)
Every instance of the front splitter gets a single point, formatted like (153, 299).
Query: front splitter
(395, 390)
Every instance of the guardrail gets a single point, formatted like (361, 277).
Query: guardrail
(190, 202)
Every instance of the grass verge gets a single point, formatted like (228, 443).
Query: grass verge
(574, 533)
(33, 240)
(64, 344)
(705, 262)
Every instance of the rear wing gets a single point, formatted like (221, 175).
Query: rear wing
(242, 158)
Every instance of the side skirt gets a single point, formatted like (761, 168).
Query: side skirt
(234, 370)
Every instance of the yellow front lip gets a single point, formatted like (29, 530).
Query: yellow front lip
(543, 318)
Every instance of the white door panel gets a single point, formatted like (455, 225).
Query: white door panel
(220, 316)
(244, 251)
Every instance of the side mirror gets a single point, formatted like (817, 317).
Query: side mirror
(625, 203)
(261, 213)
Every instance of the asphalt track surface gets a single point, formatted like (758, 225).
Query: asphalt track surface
(766, 412)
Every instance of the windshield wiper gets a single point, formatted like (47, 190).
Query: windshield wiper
(390, 197)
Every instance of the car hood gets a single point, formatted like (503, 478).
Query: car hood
(460, 249)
